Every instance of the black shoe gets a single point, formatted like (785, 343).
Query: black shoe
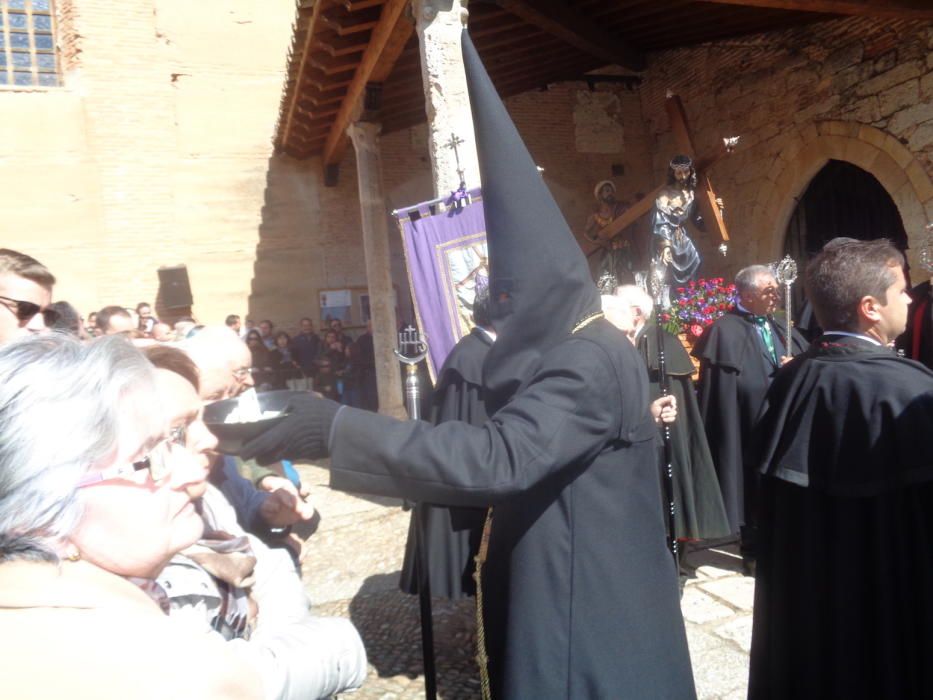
(748, 567)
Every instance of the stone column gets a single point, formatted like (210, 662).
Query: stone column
(365, 138)
(439, 24)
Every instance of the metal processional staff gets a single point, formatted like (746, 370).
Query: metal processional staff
(659, 291)
(786, 274)
(412, 349)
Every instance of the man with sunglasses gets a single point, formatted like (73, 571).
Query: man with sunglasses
(25, 295)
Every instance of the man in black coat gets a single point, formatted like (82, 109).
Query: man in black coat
(579, 593)
(845, 561)
(698, 508)
(917, 340)
(739, 356)
(452, 535)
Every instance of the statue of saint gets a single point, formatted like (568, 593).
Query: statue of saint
(619, 258)
(673, 208)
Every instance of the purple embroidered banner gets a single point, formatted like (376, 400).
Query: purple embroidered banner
(446, 258)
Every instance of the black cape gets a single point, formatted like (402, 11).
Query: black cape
(580, 591)
(698, 509)
(845, 548)
(917, 340)
(452, 535)
(735, 372)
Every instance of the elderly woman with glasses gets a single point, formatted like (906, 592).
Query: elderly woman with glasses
(232, 585)
(95, 498)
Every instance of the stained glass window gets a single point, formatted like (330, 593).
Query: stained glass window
(27, 43)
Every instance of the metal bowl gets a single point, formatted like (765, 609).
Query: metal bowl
(232, 436)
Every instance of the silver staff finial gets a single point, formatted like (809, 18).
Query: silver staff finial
(412, 348)
(786, 271)
(926, 249)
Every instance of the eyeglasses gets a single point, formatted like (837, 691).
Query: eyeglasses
(26, 310)
(158, 461)
(244, 372)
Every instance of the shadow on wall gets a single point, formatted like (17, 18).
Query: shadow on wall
(310, 240)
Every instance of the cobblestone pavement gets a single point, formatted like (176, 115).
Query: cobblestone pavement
(351, 570)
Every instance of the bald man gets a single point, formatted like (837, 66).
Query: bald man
(223, 362)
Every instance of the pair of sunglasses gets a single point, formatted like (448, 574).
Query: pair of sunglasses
(26, 310)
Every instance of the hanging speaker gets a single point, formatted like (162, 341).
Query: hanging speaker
(174, 288)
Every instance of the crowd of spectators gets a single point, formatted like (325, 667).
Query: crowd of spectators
(130, 532)
(333, 363)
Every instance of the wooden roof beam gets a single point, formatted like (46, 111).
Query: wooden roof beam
(317, 79)
(327, 65)
(306, 48)
(311, 103)
(337, 46)
(388, 39)
(897, 9)
(356, 5)
(698, 30)
(559, 20)
(344, 22)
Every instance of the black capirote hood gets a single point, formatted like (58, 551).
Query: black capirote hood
(539, 283)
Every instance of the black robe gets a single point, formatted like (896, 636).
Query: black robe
(843, 604)
(735, 372)
(452, 535)
(917, 340)
(580, 592)
(698, 509)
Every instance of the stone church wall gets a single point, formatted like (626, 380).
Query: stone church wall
(157, 150)
(857, 90)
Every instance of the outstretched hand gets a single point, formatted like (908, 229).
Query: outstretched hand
(285, 505)
(664, 409)
(302, 435)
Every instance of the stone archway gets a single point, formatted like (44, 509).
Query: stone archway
(807, 150)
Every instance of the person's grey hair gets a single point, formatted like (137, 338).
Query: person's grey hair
(62, 406)
(636, 297)
(617, 312)
(210, 345)
(747, 278)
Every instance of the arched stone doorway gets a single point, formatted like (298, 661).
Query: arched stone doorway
(804, 153)
(842, 200)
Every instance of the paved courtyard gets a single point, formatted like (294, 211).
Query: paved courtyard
(351, 570)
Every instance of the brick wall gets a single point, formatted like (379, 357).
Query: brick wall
(310, 235)
(157, 150)
(154, 152)
(854, 89)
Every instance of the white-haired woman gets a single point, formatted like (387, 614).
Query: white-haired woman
(94, 500)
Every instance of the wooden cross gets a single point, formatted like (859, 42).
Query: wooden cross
(705, 195)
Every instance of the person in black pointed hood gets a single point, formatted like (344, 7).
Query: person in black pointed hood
(539, 282)
(579, 593)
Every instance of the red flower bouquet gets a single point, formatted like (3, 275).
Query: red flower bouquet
(696, 305)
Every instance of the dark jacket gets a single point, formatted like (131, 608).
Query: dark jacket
(580, 592)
